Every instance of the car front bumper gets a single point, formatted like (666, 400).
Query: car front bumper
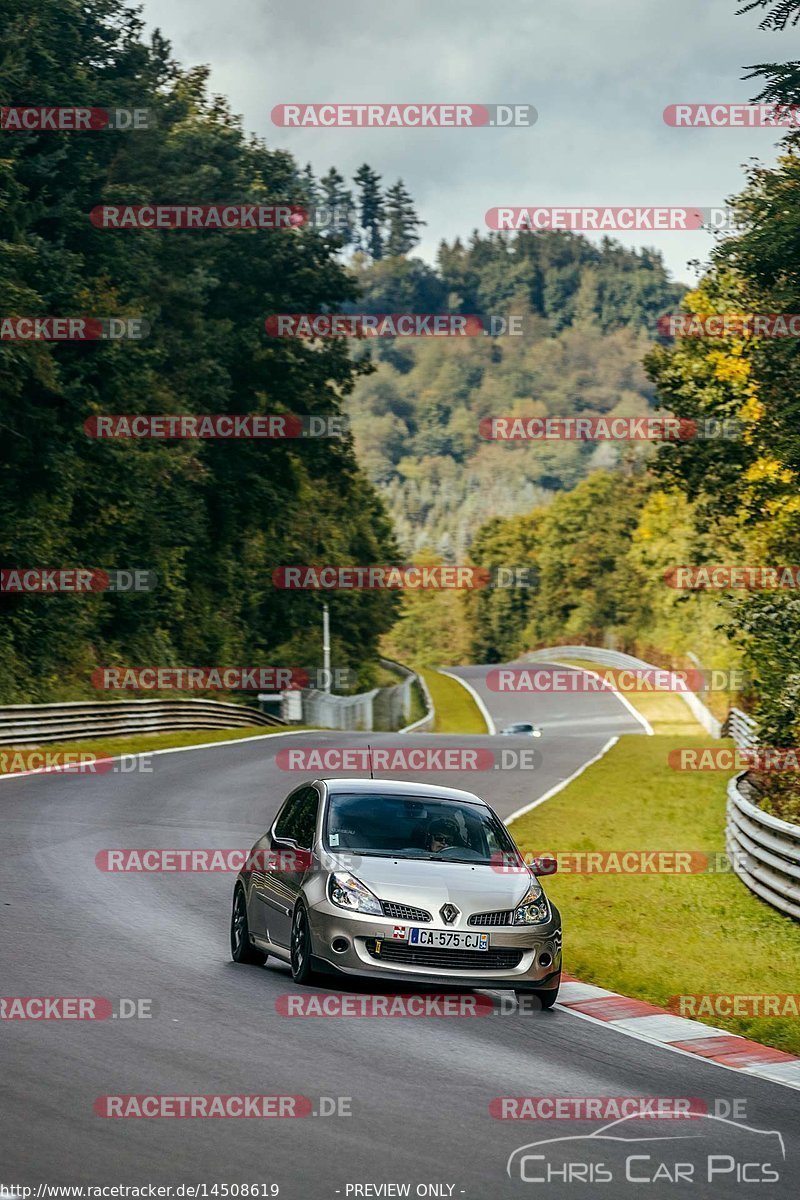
(537, 947)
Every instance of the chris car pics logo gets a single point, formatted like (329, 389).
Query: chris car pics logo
(713, 1150)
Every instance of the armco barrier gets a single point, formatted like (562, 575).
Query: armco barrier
(327, 711)
(23, 724)
(742, 728)
(615, 658)
(393, 704)
(427, 722)
(385, 708)
(764, 851)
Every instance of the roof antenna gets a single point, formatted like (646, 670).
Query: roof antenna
(369, 752)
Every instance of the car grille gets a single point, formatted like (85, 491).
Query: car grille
(491, 918)
(449, 960)
(404, 912)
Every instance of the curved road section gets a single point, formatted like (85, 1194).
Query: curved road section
(395, 1106)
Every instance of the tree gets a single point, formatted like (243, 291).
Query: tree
(371, 210)
(338, 200)
(753, 476)
(403, 221)
(309, 186)
(211, 519)
(782, 84)
(779, 15)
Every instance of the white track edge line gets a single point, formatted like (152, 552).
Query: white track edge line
(640, 1037)
(487, 716)
(520, 812)
(643, 721)
(259, 737)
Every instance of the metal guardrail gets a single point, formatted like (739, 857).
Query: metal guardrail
(327, 711)
(393, 704)
(384, 708)
(22, 724)
(615, 658)
(742, 728)
(764, 851)
(424, 723)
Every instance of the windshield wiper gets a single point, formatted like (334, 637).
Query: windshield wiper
(478, 862)
(375, 853)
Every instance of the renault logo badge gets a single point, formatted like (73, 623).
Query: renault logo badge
(448, 913)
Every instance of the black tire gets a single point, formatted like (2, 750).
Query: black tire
(546, 996)
(300, 947)
(241, 949)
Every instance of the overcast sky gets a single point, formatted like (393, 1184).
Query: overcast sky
(599, 72)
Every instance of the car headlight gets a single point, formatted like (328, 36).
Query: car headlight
(533, 908)
(348, 892)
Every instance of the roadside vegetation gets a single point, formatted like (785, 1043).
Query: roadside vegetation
(656, 936)
(211, 519)
(456, 711)
(16, 758)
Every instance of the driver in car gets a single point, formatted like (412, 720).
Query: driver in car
(442, 833)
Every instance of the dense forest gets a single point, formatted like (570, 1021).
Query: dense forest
(588, 315)
(212, 519)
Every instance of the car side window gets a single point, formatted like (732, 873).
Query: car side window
(307, 810)
(298, 819)
(286, 824)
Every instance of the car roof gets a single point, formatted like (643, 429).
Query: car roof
(400, 787)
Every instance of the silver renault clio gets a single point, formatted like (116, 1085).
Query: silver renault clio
(404, 881)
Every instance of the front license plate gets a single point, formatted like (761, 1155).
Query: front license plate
(445, 939)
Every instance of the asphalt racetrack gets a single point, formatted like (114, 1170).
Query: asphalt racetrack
(418, 1091)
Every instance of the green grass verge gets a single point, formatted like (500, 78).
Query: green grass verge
(659, 936)
(140, 743)
(456, 711)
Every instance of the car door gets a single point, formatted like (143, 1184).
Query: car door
(291, 840)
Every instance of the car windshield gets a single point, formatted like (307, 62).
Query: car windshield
(419, 827)
(520, 728)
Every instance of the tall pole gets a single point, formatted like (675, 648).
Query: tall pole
(326, 648)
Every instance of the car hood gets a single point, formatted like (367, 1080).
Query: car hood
(472, 888)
